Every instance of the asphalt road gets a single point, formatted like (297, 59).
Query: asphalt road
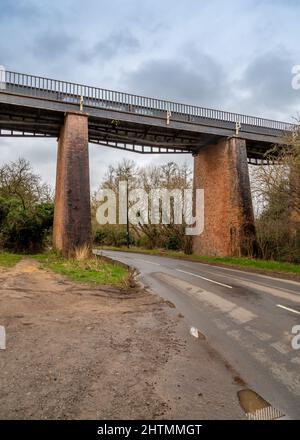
(247, 317)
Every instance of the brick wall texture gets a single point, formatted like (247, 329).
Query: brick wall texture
(72, 217)
(222, 171)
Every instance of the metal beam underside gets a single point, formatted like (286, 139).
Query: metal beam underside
(192, 125)
(26, 121)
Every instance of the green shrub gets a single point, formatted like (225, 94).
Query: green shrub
(112, 235)
(100, 237)
(24, 230)
(173, 242)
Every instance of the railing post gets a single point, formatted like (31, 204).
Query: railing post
(92, 94)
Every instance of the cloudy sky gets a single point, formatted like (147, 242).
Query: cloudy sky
(236, 55)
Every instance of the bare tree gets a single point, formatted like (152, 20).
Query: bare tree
(169, 176)
(17, 179)
(277, 188)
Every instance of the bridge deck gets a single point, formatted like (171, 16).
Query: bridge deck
(35, 106)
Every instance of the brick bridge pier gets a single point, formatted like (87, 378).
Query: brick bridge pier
(72, 213)
(221, 143)
(220, 169)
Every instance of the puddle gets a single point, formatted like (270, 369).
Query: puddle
(257, 408)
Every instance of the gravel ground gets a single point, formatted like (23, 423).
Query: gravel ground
(83, 352)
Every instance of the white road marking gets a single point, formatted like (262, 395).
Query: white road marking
(203, 278)
(231, 309)
(287, 308)
(240, 271)
(149, 262)
(266, 287)
(2, 338)
(278, 292)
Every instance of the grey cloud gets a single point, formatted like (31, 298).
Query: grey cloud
(18, 9)
(196, 79)
(115, 44)
(102, 157)
(284, 3)
(40, 152)
(64, 39)
(52, 45)
(266, 83)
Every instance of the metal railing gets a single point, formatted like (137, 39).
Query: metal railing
(102, 98)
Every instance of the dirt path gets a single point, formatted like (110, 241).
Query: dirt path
(75, 352)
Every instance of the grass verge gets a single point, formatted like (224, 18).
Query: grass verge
(9, 260)
(239, 262)
(91, 270)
